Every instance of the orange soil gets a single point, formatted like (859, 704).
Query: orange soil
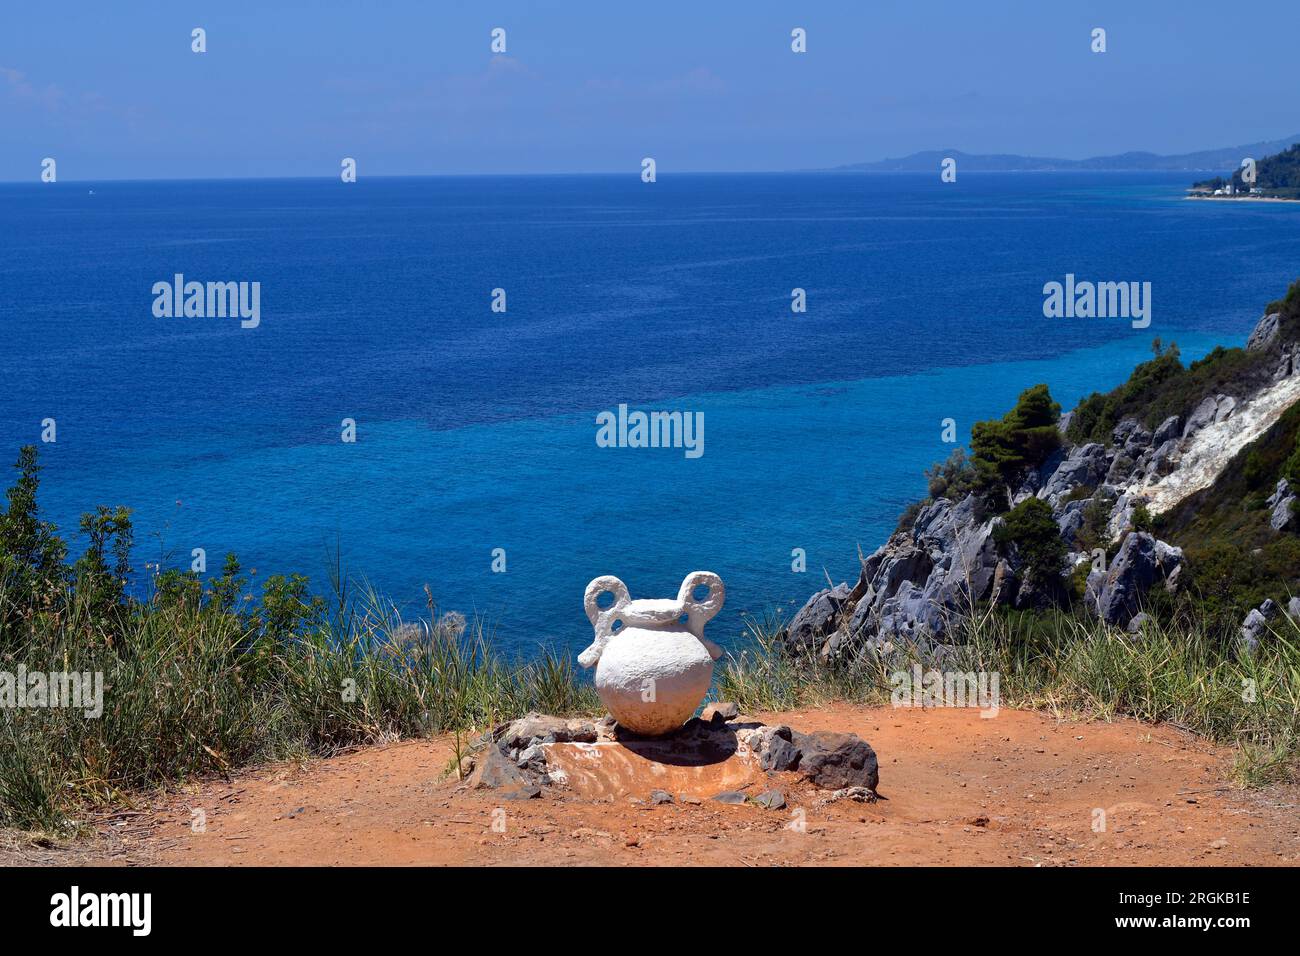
(1019, 789)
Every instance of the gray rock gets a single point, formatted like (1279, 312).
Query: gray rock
(1265, 333)
(1070, 521)
(719, 712)
(532, 757)
(1086, 465)
(1132, 436)
(1203, 415)
(732, 797)
(1255, 627)
(528, 791)
(1283, 517)
(1288, 362)
(776, 750)
(939, 525)
(1006, 585)
(1142, 561)
(1282, 489)
(770, 800)
(658, 797)
(834, 761)
(1140, 620)
(909, 614)
(534, 728)
(1282, 502)
(908, 564)
(1167, 430)
(1121, 514)
(1123, 469)
(1225, 408)
(1162, 461)
(816, 619)
(864, 620)
(1119, 436)
(924, 581)
(496, 771)
(1168, 556)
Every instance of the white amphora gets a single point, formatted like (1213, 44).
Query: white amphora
(654, 668)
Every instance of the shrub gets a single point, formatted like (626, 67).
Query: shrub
(953, 478)
(32, 571)
(1291, 468)
(1094, 533)
(1002, 449)
(1141, 518)
(1031, 530)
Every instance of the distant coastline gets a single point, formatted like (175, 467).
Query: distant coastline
(1241, 199)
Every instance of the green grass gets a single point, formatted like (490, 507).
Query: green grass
(190, 690)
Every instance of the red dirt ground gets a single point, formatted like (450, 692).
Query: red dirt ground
(1019, 789)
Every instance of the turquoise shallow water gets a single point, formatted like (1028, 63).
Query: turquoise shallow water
(477, 430)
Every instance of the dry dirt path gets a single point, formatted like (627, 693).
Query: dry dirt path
(1021, 789)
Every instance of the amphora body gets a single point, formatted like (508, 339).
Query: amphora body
(653, 662)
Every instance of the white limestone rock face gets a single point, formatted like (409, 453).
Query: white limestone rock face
(1218, 429)
(653, 662)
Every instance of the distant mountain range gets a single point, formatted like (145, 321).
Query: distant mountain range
(1219, 160)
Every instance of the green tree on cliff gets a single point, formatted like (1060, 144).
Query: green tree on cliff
(1002, 449)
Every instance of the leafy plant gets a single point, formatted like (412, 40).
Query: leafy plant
(1002, 449)
(1029, 531)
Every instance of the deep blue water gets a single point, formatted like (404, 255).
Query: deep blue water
(476, 429)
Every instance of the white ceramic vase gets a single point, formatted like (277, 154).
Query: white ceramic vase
(653, 662)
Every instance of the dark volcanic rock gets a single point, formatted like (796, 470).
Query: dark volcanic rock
(834, 761)
(776, 749)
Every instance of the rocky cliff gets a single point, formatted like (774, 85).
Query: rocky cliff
(949, 559)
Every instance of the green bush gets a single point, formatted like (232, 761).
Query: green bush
(1002, 449)
(953, 478)
(1032, 532)
(1291, 468)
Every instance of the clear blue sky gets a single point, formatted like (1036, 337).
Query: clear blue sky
(112, 90)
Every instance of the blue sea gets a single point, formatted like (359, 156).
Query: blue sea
(476, 429)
